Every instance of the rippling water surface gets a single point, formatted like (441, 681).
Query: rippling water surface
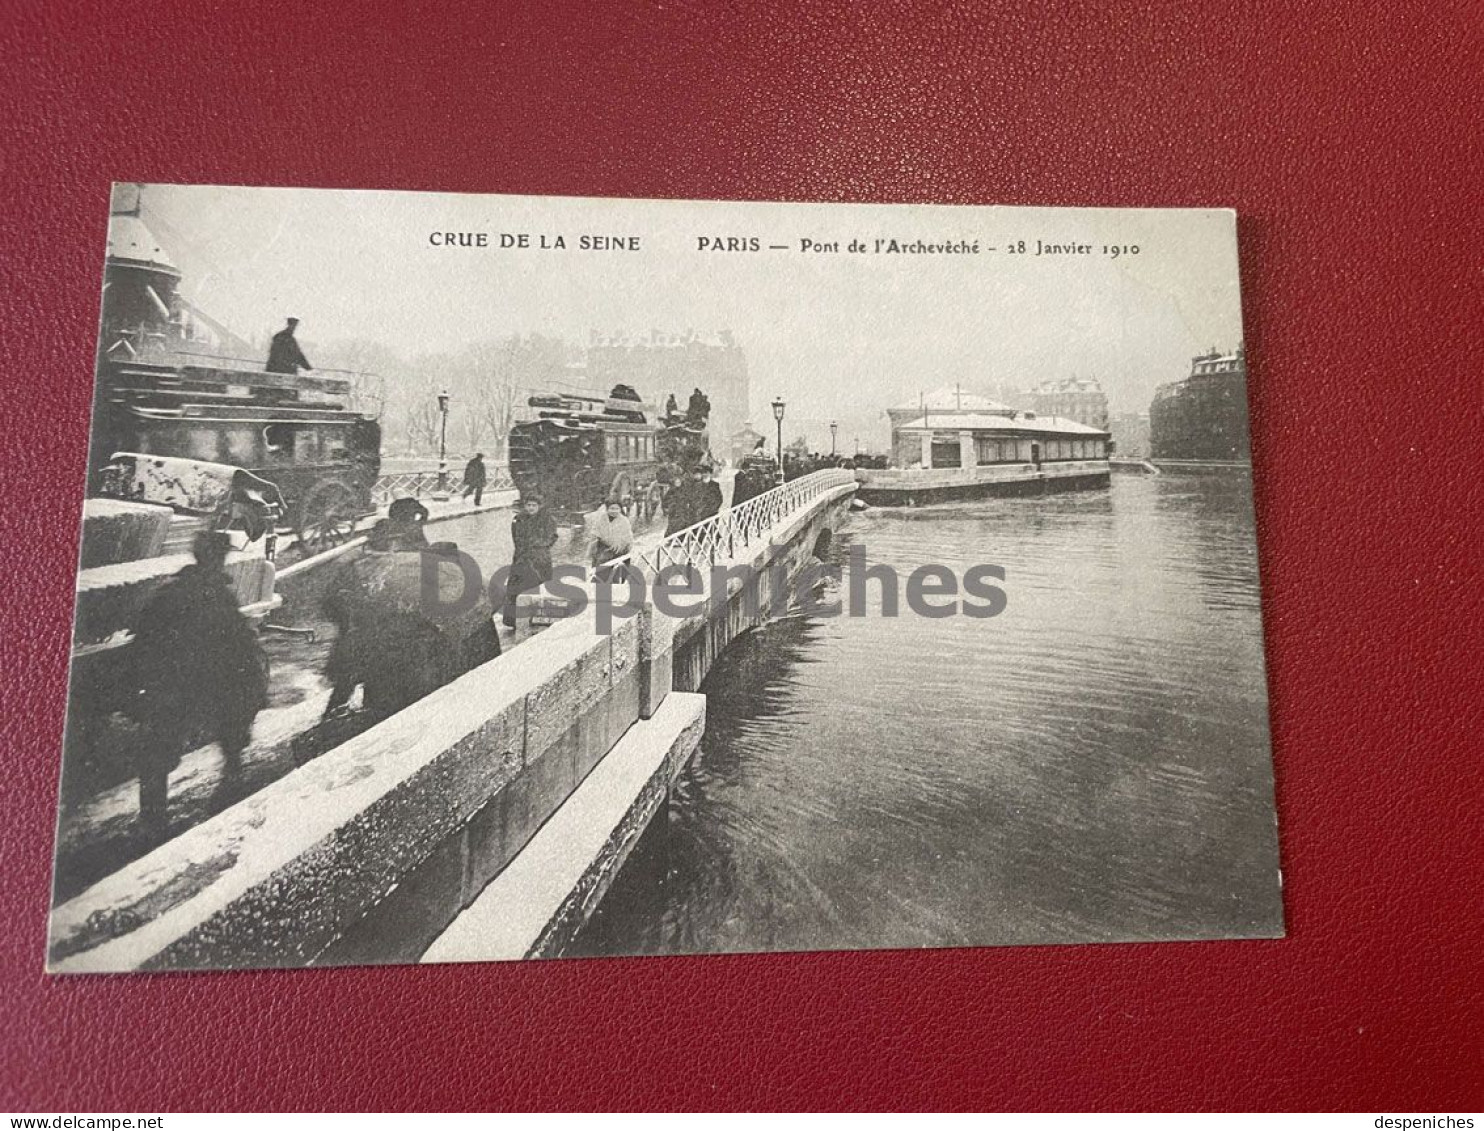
(1092, 764)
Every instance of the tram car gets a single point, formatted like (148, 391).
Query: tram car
(291, 431)
(175, 415)
(579, 452)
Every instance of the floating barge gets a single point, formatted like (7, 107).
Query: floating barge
(975, 455)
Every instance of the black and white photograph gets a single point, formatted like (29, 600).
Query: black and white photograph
(469, 578)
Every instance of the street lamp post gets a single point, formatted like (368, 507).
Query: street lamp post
(778, 416)
(833, 426)
(441, 494)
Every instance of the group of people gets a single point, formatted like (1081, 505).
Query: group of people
(533, 533)
(201, 674)
(694, 499)
(756, 474)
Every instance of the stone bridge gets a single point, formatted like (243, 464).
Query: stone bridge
(485, 821)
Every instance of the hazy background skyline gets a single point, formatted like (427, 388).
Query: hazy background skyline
(837, 336)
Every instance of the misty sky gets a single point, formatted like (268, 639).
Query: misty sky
(836, 335)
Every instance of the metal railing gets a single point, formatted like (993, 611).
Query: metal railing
(738, 529)
(416, 484)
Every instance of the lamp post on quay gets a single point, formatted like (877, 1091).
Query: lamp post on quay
(441, 494)
(833, 426)
(778, 417)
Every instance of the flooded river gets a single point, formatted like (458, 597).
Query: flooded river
(1092, 764)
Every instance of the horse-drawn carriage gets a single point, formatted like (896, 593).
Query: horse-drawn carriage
(580, 452)
(292, 432)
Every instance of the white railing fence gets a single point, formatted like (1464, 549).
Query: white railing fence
(738, 529)
(416, 484)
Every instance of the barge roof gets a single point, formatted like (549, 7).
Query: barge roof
(977, 422)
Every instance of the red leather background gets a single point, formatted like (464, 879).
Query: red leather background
(1347, 136)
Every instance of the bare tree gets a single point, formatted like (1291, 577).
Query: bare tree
(366, 365)
(495, 403)
(424, 421)
(367, 394)
(472, 430)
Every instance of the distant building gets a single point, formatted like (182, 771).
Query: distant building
(906, 449)
(743, 442)
(660, 364)
(1203, 417)
(1130, 431)
(1075, 398)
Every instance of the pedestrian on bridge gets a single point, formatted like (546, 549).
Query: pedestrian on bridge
(680, 503)
(402, 528)
(757, 475)
(613, 537)
(695, 498)
(708, 497)
(200, 676)
(533, 532)
(475, 477)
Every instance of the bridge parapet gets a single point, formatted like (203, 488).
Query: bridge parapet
(759, 548)
(368, 853)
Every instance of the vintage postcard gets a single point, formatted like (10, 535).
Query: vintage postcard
(480, 577)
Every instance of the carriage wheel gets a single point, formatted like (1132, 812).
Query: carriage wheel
(326, 517)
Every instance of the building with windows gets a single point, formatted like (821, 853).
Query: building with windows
(978, 440)
(659, 365)
(743, 442)
(1203, 417)
(948, 455)
(1076, 398)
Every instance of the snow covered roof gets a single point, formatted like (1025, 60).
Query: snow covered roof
(975, 422)
(954, 400)
(1069, 385)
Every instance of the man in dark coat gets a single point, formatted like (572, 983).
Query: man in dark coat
(200, 676)
(475, 477)
(708, 493)
(680, 503)
(757, 475)
(284, 355)
(533, 532)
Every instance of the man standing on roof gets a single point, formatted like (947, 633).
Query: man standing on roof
(284, 355)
